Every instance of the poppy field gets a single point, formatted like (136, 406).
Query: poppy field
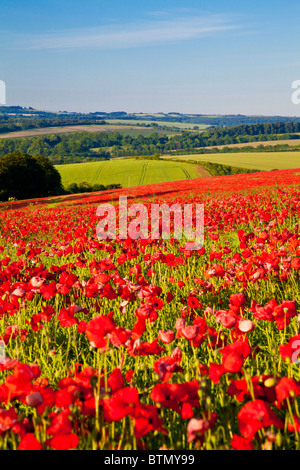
(127, 172)
(140, 344)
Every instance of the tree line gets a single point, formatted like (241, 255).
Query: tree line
(74, 147)
(24, 176)
(228, 120)
(9, 124)
(240, 149)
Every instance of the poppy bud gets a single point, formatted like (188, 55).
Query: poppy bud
(34, 399)
(278, 439)
(270, 382)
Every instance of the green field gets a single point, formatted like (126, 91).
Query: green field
(128, 172)
(123, 129)
(265, 161)
(135, 131)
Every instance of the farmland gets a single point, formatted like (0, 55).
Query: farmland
(141, 344)
(128, 172)
(122, 129)
(138, 343)
(171, 124)
(264, 161)
(123, 141)
(149, 231)
(273, 143)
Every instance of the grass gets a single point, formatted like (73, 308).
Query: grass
(264, 161)
(127, 172)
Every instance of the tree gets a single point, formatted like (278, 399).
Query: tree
(53, 183)
(24, 177)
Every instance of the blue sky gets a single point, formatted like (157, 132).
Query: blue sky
(201, 57)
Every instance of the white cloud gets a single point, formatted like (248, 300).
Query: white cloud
(144, 33)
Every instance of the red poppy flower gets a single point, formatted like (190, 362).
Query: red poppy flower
(166, 336)
(115, 380)
(240, 443)
(198, 426)
(138, 329)
(215, 372)
(263, 387)
(139, 348)
(234, 355)
(193, 302)
(189, 332)
(120, 404)
(291, 349)
(66, 318)
(294, 426)
(169, 297)
(146, 420)
(246, 253)
(119, 336)
(8, 418)
(97, 329)
(286, 388)
(29, 442)
(48, 291)
(60, 423)
(295, 263)
(256, 415)
(19, 383)
(63, 441)
(225, 318)
(173, 396)
(166, 366)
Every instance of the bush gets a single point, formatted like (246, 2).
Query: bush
(53, 183)
(75, 188)
(23, 176)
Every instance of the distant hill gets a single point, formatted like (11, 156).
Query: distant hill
(209, 120)
(213, 120)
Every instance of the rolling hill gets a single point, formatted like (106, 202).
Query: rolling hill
(128, 172)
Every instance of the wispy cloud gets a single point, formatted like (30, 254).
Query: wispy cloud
(144, 33)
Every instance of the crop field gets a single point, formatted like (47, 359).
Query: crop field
(110, 344)
(179, 125)
(122, 129)
(149, 232)
(265, 161)
(272, 143)
(128, 172)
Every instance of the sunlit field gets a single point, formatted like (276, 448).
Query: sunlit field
(265, 161)
(127, 172)
(142, 344)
